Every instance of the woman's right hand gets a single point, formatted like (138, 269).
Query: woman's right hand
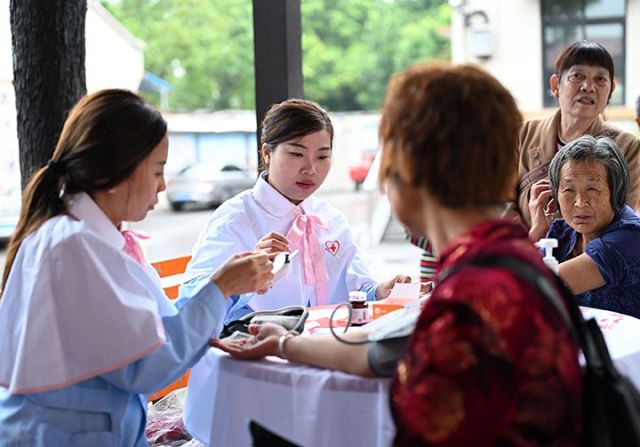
(542, 209)
(243, 273)
(273, 243)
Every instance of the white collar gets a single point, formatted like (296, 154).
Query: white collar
(81, 206)
(275, 203)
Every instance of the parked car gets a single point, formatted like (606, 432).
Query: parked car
(207, 184)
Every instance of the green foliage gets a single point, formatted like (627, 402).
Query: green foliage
(204, 48)
(350, 47)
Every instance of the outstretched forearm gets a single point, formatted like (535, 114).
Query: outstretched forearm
(327, 352)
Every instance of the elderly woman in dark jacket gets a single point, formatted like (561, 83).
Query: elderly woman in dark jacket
(598, 234)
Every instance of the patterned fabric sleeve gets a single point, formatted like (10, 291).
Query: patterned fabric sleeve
(427, 259)
(427, 264)
(418, 241)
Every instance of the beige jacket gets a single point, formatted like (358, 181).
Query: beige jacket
(538, 144)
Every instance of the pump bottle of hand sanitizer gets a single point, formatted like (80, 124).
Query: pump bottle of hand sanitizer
(548, 245)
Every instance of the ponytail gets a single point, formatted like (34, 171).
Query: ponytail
(40, 202)
(104, 139)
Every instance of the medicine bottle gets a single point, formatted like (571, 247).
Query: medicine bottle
(359, 308)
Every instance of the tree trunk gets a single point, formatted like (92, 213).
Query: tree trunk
(48, 38)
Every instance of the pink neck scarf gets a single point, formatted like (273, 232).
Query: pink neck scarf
(132, 246)
(302, 236)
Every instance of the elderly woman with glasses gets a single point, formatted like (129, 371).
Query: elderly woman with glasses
(598, 234)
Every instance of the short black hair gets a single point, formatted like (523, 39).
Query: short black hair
(292, 119)
(585, 52)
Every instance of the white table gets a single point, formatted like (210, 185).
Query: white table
(310, 406)
(622, 334)
(315, 407)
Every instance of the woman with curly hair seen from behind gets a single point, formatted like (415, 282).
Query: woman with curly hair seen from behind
(490, 362)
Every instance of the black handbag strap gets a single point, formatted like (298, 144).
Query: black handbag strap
(535, 279)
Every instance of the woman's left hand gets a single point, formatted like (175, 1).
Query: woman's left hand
(384, 288)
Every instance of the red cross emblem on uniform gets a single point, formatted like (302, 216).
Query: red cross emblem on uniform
(332, 247)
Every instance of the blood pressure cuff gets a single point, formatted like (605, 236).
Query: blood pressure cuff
(291, 318)
(384, 355)
(388, 344)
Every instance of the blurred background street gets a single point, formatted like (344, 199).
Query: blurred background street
(174, 233)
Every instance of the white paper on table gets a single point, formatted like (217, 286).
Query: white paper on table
(405, 290)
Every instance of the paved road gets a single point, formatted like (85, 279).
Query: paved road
(174, 233)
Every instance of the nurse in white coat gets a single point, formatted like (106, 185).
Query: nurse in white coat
(86, 329)
(281, 214)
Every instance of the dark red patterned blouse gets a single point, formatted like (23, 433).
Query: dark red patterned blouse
(489, 363)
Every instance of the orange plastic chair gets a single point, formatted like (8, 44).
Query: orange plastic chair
(171, 267)
(167, 268)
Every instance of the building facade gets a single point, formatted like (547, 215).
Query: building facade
(518, 41)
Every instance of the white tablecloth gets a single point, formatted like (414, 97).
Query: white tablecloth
(310, 406)
(622, 334)
(315, 407)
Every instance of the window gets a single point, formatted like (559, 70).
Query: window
(564, 22)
